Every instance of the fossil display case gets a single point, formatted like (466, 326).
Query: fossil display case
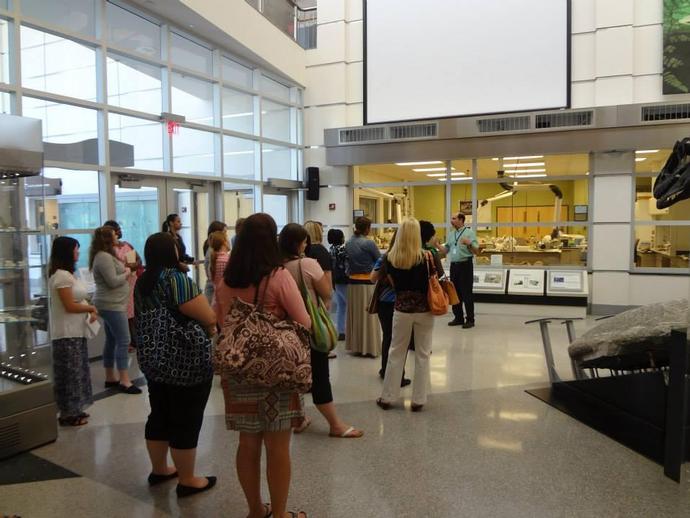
(27, 409)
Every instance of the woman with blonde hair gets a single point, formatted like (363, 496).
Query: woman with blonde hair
(407, 266)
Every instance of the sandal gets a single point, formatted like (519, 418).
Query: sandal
(269, 511)
(298, 514)
(74, 420)
(305, 424)
(350, 433)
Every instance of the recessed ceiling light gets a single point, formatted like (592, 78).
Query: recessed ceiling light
(641, 159)
(431, 169)
(526, 164)
(516, 171)
(534, 175)
(418, 163)
(495, 159)
(529, 157)
(459, 179)
(438, 175)
(646, 151)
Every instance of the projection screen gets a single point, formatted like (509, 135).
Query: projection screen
(446, 58)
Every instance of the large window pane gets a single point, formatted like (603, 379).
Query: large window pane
(145, 138)
(192, 98)
(275, 89)
(236, 73)
(238, 111)
(276, 120)
(185, 53)
(239, 201)
(193, 152)
(6, 103)
(137, 213)
(277, 206)
(650, 160)
(74, 15)
(4, 52)
(62, 123)
(277, 162)
(134, 85)
(662, 246)
(131, 31)
(72, 202)
(57, 65)
(239, 157)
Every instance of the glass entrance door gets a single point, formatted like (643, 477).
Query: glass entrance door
(140, 209)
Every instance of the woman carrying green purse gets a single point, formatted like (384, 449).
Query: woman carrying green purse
(316, 290)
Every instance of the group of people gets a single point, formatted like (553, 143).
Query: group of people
(265, 268)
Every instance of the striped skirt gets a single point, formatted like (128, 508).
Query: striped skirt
(363, 332)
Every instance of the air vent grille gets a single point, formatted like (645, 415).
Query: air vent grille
(414, 131)
(564, 120)
(503, 124)
(348, 136)
(666, 112)
(9, 437)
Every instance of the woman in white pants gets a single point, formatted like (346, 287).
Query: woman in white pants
(407, 269)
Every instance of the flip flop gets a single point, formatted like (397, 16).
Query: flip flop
(305, 424)
(348, 434)
(269, 511)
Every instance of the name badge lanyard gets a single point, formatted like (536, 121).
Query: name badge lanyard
(457, 238)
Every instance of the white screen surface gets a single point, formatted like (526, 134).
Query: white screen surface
(444, 58)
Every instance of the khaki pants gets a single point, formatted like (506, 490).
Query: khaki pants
(403, 325)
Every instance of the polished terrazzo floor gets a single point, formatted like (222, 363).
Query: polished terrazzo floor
(482, 447)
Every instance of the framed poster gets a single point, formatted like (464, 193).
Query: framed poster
(526, 282)
(567, 282)
(465, 207)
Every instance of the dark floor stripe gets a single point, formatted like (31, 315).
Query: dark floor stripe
(27, 467)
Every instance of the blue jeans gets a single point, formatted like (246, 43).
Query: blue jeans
(116, 339)
(341, 307)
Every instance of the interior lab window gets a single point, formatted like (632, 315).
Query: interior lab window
(57, 65)
(130, 31)
(133, 84)
(650, 161)
(192, 98)
(662, 246)
(646, 205)
(136, 143)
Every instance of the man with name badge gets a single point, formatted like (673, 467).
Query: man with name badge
(461, 248)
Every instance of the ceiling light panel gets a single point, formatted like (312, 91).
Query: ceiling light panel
(526, 164)
(529, 157)
(418, 163)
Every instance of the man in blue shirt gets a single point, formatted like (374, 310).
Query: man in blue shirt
(461, 248)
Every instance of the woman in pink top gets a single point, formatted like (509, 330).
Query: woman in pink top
(264, 417)
(218, 259)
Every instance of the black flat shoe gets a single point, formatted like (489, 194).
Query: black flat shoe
(383, 404)
(468, 325)
(416, 408)
(405, 382)
(341, 337)
(185, 491)
(155, 479)
(456, 323)
(111, 384)
(382, 374)
(132, 389)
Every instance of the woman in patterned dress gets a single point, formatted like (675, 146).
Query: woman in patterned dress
(68, 309)
(264, 417)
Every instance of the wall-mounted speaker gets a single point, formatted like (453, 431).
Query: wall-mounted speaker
(313, 183)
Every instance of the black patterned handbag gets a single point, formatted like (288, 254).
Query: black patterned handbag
(172, 348)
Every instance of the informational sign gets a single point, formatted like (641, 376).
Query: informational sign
(489, 280)
(567, 282)
(526, 282)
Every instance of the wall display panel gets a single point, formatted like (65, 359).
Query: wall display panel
(490, 280)
(520, 61)
(130, 31)
(236, 73)
(194, 152)
(238, 111)
(145, 137)
(192, 98)
(526, 282)
(62, 123)
(239, 158)
(57, 65)
(134, 85)
(71, 200)
(188, 54)
(74, 15)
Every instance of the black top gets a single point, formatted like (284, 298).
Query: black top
(319, 252)
(415, 279)
(182, 250)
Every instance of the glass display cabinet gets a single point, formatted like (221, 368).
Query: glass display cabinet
(27, 409)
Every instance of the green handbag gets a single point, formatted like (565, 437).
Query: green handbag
(324, 336)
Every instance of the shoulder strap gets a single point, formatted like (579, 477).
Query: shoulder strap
(260, 305)
(430, 266)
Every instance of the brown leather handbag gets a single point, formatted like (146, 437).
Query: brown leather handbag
(256, 347)
(438, 300)
(450, 290)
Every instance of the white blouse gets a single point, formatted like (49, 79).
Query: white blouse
(62, 323)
